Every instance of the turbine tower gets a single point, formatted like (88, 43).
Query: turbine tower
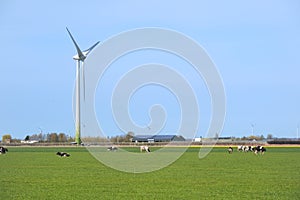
(79, 57)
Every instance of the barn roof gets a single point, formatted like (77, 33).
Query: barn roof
(164, 137)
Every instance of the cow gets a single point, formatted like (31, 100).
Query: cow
(144, 148)
(240, 148)
(230, 150)
(244, 148)
(112, 148)
(3, 150)
(259, 149)
(63, 154)
(247, 148)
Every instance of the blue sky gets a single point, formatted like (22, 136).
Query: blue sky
(255, 46)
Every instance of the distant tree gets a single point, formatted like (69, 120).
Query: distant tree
(34, 137)
(255, 137)
(129, 136)
(40, 137)
(27, 138)
(6, 137)
(216, 136)
(122, 138)
(53, 137)
(62, 137)
(269, 136)
(244, 138)
(15, 140)
(261, 137)
(70, 139)
(47, 137)
(114, 139)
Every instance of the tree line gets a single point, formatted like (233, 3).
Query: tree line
(49, 137)
(64, 138)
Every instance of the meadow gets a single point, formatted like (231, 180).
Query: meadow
(37, 173)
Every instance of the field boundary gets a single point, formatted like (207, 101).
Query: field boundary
(157, 145)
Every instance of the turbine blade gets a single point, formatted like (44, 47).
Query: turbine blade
(91, 48)
(80, 54)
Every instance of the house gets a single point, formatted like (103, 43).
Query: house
(29, 141)
(197, 139)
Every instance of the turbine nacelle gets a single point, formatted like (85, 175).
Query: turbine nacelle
(82, 55)
(76, 57)
(81, 58)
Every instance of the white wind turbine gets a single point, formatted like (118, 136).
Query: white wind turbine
(80, 57)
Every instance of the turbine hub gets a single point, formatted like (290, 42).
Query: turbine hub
(76, 57)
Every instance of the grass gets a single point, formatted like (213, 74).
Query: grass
(37, 173)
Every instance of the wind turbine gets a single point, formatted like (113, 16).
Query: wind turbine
(252, 128)
(298, 131)
(79, 57)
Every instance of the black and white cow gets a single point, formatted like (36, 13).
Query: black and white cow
(259, 149)
(112, 148)
(245, 148)
(63, 154)
(3, 150)
(240, 148)
(144, 148)
(230, 150)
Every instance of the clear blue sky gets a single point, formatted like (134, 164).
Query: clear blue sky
(254, 44)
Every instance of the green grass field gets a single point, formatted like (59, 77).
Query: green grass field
(37, 173)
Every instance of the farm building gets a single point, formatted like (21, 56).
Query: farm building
(157, 138)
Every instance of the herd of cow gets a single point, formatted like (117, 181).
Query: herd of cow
(142, 148)
(3, 150)
(256, 149)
